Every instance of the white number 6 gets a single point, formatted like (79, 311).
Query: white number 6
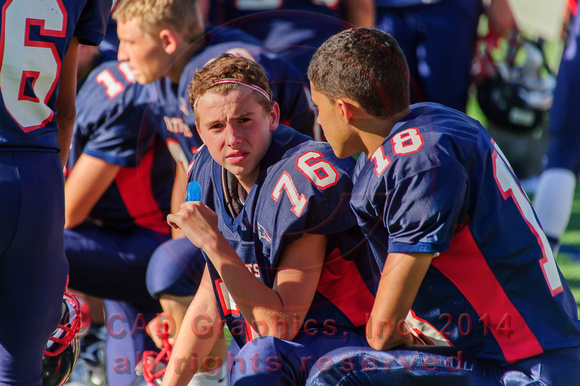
(25, 59)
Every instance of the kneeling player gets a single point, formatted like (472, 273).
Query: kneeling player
(465, 263)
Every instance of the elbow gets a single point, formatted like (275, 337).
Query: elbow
(386, 339)
(377, 343)
(65, 114)
(65, 118)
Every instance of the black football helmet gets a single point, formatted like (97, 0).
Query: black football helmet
(62, 348)
(515, 86)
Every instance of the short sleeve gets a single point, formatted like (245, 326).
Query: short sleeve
(92, 24)
(421, 213)
(121, 140)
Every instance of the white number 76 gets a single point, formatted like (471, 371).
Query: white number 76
(318, 171)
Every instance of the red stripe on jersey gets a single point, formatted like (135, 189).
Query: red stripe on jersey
(466, 267)
(135, 188)
(341, 283)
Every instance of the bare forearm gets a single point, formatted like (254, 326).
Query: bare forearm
(294, 285)
(201, 328)
(400, 281)
(259, 304)
(84, 187)
(65, 102)
(65, 129)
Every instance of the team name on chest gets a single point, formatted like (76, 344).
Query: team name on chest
(254, 268)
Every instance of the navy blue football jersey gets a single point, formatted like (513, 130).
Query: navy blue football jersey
(33, 45)
(302, 188)
(112, 125)
(170, 102)
(439, 184)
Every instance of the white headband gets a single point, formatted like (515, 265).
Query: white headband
(235, 81)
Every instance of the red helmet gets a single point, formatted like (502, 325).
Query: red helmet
(62, 348)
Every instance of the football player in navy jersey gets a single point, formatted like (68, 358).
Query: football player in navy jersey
(555, 192)
(287, 267)
(38, 57)
(118, 193)
(465, 263)
(424, 30)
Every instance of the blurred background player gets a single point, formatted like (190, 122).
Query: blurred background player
(292, 29)
(438, 39)
(555, 191)
(465, 263)
(118, 194)
(37, 115)
(287, 268)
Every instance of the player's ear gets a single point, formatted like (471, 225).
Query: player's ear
(274, 116)
(344, 108)
(170, 40)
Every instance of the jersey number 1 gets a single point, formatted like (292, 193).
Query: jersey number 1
(509, 188)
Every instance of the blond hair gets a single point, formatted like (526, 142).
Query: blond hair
(155, 15)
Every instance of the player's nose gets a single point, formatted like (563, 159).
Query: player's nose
(122, 55)
(233, 135)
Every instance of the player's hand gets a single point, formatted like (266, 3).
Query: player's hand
(197, 221)
(160, 328)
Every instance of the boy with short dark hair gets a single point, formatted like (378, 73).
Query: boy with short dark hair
(465, 263)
